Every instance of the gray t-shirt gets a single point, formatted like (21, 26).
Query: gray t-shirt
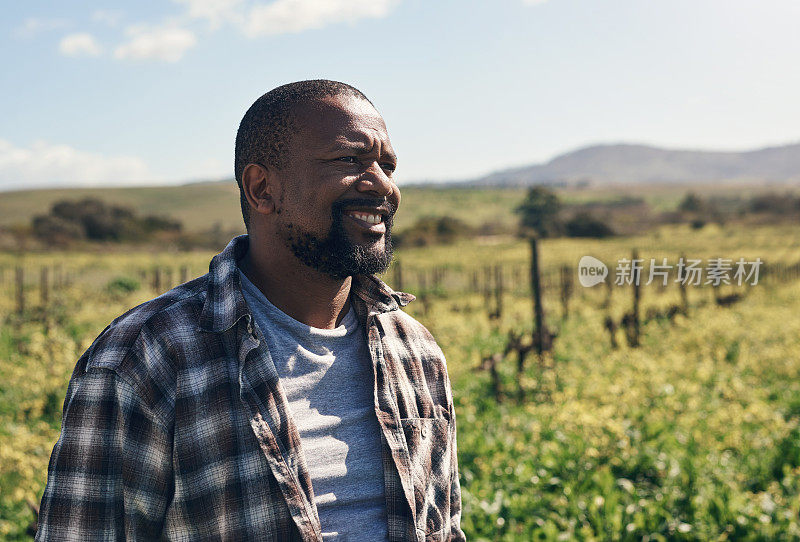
(326, 375)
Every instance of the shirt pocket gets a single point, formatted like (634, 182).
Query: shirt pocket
(429, 450)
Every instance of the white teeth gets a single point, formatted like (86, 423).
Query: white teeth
(372, 219)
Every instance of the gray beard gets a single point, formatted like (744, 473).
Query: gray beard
(337, 255)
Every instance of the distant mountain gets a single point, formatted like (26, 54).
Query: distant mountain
(604, 164)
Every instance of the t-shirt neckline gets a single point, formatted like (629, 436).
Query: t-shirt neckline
(346, 326)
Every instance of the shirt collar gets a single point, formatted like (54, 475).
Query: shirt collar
(225, 304)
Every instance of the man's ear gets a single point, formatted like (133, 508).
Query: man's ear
(259, 186)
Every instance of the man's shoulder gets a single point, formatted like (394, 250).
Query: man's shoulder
(408, 325)
(151, 326)
(412, 352)
(404, 332)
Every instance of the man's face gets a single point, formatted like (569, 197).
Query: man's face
(337, 195)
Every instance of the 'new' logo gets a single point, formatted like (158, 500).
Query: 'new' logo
(591, 271)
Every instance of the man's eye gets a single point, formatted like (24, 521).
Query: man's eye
(388, 166)
(349, 159)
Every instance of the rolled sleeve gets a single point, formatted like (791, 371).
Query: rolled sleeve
(110, 474)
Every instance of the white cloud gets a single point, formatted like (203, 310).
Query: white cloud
(284, 16)
(107, 17)
(35, 25)
(167, 43)
(214, 11)
(46, 164)
(289, 16)
(81, 44)
(171, 39)
(533, 2)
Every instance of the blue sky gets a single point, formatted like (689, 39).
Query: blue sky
(153, 91)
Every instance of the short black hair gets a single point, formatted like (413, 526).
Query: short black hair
(266, 127)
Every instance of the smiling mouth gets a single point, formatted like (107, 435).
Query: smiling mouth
(368, 221)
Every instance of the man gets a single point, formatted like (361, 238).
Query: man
(284, 395)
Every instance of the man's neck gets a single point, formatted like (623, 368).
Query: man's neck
(301, 292)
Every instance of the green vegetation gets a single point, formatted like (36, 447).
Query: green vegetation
(431, 230)
(692, 436)
(205, 206)
(209, 212)
(539, 213)
(92, 219)
(197, 206)
(585, 225)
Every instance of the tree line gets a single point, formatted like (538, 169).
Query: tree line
(94, 220)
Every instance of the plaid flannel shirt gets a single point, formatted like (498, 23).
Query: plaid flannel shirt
(175, 425)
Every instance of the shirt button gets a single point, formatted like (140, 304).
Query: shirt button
(424, 431)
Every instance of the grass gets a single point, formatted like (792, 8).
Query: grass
(693, 436)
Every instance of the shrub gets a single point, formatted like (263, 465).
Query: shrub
(430, 230)
(692, 203)
(585, 225)
(776, 204)
(122, 286)
(97, 221)
(153, 223)
(55, 230)
(697, 224)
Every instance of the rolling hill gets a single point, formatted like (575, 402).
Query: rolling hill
(624, 164)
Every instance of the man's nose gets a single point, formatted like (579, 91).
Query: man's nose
(375, 180)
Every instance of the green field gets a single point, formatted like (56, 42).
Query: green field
(200, 207)
(695, 435)
(215, 205)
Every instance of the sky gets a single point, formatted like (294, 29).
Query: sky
(152, 92)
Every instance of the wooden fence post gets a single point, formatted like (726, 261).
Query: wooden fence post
(487, 287)
(631, 319)
(637, 296)
(20, 279)
(684, 293)
(490, 363)
(611, 326)
(538, 310)
(609, 291)
(43, 285)
(498, 290)
(566, 289)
